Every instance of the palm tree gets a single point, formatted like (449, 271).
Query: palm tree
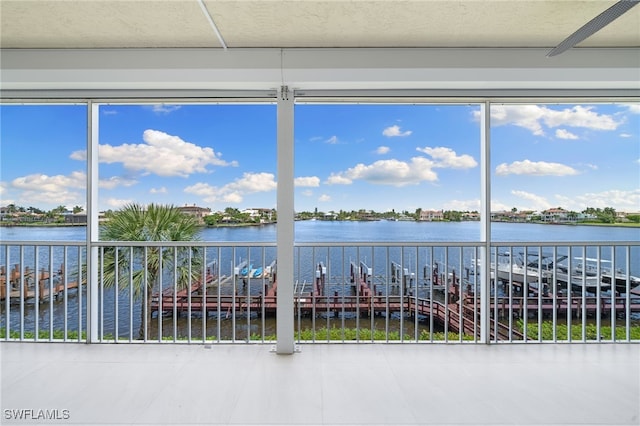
(154, 222)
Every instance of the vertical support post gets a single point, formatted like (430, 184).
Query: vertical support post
(285, 229)
(92, 223)
(485, 221)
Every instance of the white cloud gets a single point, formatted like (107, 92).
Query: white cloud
(324, 198)
(388, 172)
(332, 140)
(626, 135)
(44, 183)
(79, 155)
(202, 189)
(307, 193)
(447, 158)
(536, 202)
(58, 189)
(115, 203)
(233, 192)
(536, 117)
(497, 206)
(579, 116)
(400, 173)
(161, 190)
(232, 197)
(253, 182)
(565, 134)
(164, 109)
(462, 205)
(338, 179)
(526, 116)
(311, 181)
(116, 181)
(394, 131)
(108, 111)
(634, 108)
(618, 199)
(565, 202)
(383, 150)
(4, 192)
(161, 154)
(539, 168)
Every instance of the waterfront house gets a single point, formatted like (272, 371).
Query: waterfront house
(431, 215)
(471, 216)
(198, 212)
(261, 215)
(76, 218)
(501, 216)
(557, 215)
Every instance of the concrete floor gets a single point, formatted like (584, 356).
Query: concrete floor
(324, 384)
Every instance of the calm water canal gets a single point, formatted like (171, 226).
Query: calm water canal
(72, 313)
(321, 231)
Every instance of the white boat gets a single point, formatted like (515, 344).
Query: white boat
(584, 273)
(591, 268)
(475, 268)
(516, 270)
(565, 276)
(576, 278)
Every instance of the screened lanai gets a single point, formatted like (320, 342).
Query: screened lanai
(291, 57)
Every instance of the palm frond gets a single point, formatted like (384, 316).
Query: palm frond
(140, 267)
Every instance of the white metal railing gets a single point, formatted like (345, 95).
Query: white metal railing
(203, 292)
(42, 291)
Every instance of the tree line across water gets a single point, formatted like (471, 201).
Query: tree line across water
(13, 214)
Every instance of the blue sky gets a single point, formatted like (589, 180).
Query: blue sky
(347, 157)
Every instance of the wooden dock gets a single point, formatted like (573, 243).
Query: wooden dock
(365, 306)
(364, 302)
(458, 316)
(21, 284)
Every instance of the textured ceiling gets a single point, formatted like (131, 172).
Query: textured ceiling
(307, 24)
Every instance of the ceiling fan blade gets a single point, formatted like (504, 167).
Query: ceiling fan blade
(594, 25)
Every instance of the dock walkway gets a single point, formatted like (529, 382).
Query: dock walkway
(22, 287)
(460, 316)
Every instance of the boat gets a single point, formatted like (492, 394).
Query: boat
(245, 271)
(240, 269)
(257, 273)
(574, 276)
(517, 270)
(584, 273)
(475, 268)
(591, 267)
